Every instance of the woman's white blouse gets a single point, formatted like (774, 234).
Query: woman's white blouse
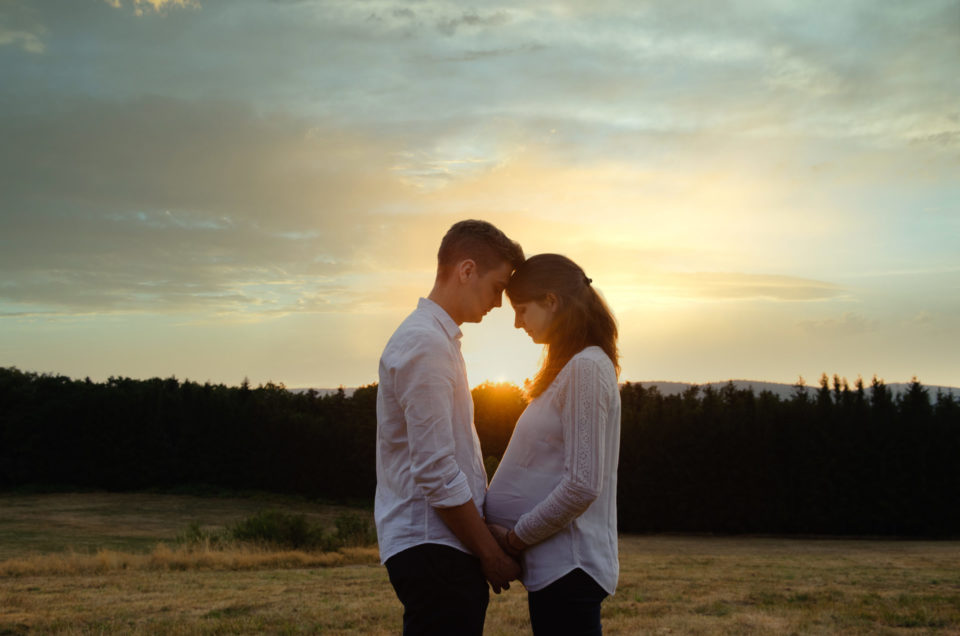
(557, 482)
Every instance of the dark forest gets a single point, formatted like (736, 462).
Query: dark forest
(835, 460)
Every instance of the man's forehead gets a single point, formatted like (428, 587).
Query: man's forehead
(502, 273)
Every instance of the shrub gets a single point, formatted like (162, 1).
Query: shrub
(195, 535)
(278, 528)
(293, 531)
(354, 530)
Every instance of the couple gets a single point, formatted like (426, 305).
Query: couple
(549, 515)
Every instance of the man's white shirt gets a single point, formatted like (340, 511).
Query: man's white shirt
(428, 452)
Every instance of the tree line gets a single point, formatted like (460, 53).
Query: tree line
(834, 460)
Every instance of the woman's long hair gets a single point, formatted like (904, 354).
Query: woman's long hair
(582, 318)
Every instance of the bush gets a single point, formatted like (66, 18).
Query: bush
(277, 528)
(195, 535)
(354, 530)
(293, 531)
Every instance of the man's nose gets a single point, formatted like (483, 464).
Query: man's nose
(516, 322)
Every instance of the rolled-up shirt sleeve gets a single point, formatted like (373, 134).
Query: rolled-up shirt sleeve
(425, 388)
(583, 416)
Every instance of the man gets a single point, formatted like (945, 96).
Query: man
(431, 482)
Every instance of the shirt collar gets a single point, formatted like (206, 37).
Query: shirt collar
(441, 316)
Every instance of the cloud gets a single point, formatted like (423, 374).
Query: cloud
(201, 160)
(21, 25)
(949, 139)
(849, 324)
(141, 7)
(165, 205)
(736, 286)
(782, 71)
(29, 42)
(473, 55)
(311, 149)
(449, 26)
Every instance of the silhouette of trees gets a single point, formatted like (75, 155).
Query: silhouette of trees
(838, 460)
(496, 408)
(133, 434)
(839, 463)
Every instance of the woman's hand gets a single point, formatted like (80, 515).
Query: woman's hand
(508, 540)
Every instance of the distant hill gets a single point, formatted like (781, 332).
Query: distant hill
(782, 390)
(672, 388)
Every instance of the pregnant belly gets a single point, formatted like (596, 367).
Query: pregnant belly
(514, 491)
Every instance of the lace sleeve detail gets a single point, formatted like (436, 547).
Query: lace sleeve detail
(583, 415)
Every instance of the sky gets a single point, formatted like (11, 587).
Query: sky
(227, 189)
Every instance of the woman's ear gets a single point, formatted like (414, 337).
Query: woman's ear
(551, 302)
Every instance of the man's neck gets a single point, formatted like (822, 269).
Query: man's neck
(446, 300)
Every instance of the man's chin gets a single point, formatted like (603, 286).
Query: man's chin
(477, 318)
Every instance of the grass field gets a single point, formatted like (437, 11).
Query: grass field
(89, 564)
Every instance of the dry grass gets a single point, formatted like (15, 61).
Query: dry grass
(200, 602)
(668, 585)
(128, 522)
(742, 585)
(182, 558)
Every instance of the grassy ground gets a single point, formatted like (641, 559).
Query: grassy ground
(668, 585)
(82, 522)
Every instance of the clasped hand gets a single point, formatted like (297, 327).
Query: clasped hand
(502, 568)
(500, 534)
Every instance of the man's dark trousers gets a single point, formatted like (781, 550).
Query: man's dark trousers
(442, 589)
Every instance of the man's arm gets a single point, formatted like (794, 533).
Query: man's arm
(465, 522)
(426, 392)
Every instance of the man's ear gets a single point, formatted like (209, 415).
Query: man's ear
(465, 269)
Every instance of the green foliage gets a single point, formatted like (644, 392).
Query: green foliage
(294, 531)
(353, 530)
(195, 535)
(278, 528)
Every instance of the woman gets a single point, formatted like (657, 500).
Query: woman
(552, 501)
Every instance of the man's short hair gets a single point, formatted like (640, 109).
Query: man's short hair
(480, 241)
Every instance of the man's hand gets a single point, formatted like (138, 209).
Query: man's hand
(500, 569)
(465, 522)
(501, 534)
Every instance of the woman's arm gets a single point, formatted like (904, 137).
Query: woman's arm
(583, 415)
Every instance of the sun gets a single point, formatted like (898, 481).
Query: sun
(495, 351)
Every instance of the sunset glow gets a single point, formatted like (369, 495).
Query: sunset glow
(218, 190)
